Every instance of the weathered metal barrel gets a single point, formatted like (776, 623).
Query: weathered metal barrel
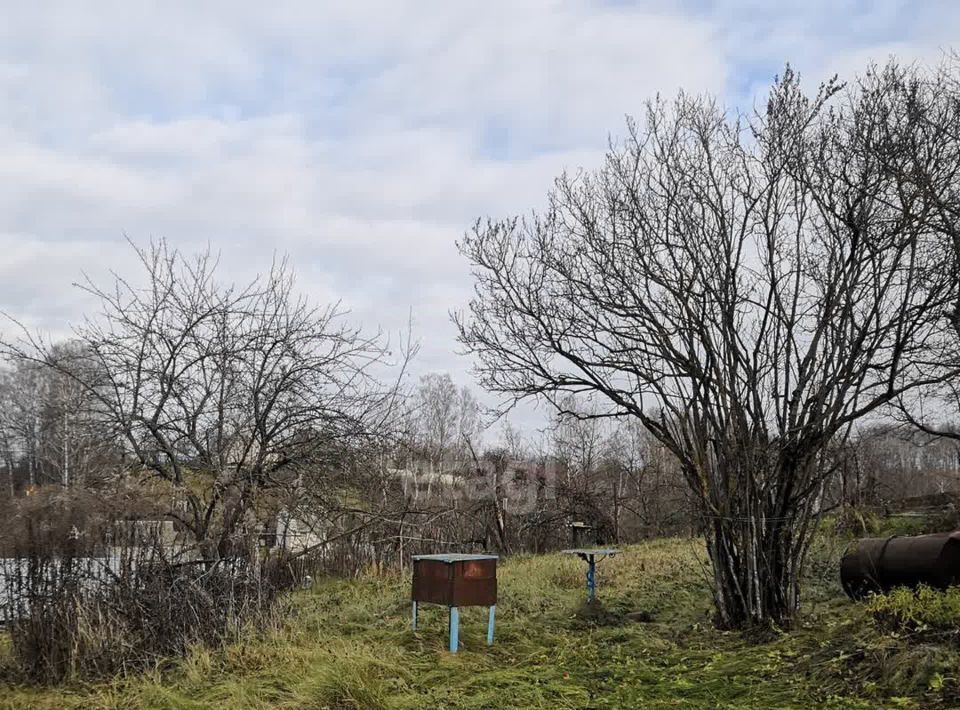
(878, 564)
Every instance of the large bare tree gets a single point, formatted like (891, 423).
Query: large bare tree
(920, 143)
(223, 392)
(747, 287)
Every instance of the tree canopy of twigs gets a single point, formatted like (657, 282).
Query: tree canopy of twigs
(745, 286)
(221, 391)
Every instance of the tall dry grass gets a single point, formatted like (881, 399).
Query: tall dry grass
(81, 611)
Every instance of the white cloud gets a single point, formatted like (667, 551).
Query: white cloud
(360, 138)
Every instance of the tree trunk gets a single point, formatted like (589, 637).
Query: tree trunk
(756, 569)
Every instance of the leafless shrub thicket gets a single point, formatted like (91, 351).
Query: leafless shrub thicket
(747, 288)
(90, 607)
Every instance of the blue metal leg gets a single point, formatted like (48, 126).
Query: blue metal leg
(591, 579)
(414, 616)
(493, 611)
(454, 629)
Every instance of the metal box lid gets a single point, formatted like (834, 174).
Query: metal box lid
(455, 557)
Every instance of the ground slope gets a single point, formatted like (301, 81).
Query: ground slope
(348, 644)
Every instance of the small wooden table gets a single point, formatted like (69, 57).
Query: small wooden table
(456, 580)
(590, 556)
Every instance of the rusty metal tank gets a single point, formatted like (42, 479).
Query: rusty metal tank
(878, 564)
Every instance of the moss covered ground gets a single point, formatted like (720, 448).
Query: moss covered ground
(348, 644)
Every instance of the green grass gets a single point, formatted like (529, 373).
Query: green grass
(348, 644)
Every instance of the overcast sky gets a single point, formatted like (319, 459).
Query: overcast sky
(359, 137)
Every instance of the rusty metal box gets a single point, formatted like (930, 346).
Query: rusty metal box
(455, 579)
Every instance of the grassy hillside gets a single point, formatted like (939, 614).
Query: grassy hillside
(348, 644)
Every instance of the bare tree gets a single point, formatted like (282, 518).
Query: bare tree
(919, 142)
(745, 287)
(651, 488)
(9, 448)
(578, 440)
(223, 392)
(444, 417)
(51, 430)
(78, 439)
(21, 402)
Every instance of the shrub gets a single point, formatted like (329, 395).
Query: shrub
(922, 610)
(856, 521)
(78, 612)
(52, 518)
